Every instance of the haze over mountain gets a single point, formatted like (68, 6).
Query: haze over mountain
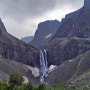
(27, 39)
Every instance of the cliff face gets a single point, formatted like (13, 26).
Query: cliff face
(69, 48)
(65, 49)
(14, 49)
(45, 32)
(64, 46)
(2, 27)
(76, 24)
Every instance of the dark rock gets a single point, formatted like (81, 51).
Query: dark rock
(76, 24)
(2, 27)
(14, 49)
(45, 32)
(65, 49)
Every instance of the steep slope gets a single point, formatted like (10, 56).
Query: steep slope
(64, 49)
(70, 70)
(72, 37)
(14, 49)
(76, 24)
(27, 39)
(69, 48)
(45, 32)
(2, 27)
(8, 67)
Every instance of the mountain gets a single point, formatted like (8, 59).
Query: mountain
(14, 49)
(65, 49)
(76, 24)
(73, 36)
(72, 72)
(45, 32)
(8, 67)
(17, 57)
(27, 39)
(2, 27)
(69, 50)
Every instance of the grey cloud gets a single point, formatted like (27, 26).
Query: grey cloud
(25, 8)
(73, 2)
(15, 12)
(20, 9)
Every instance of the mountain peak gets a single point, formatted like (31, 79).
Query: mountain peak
(44, 32)
(2, 27)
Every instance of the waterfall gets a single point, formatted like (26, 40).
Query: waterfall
(43, 64)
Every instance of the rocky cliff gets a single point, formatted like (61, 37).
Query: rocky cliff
(76, 24)
(64, 45)
(45, 32)
(2, 27)
(69, 48)
(65, 49)
(14, 49)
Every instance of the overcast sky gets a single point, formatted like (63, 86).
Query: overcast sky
(21, 17)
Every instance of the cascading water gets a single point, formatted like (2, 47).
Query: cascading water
(43, 64)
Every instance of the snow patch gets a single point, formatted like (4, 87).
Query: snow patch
(35, 70)
(49, 35)
(70, 60)
(51, 68)
(25, 80)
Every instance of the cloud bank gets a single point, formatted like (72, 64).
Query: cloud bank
(22, 16)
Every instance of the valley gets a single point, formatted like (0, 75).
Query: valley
(57, 57)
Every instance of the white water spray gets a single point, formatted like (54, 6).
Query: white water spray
(43, 64)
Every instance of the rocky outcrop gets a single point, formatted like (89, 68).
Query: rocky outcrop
(27, 39)
(69, 48)
(45, 32)
(14, 49)
(65, 49)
